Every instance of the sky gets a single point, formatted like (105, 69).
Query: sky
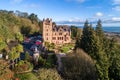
(68, 11)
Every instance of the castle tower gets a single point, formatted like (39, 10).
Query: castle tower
(47, 30)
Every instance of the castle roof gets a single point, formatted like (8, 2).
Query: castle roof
(63, 27)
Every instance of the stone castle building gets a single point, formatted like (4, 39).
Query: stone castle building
(55, 34)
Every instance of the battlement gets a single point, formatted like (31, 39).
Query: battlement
(47, 21)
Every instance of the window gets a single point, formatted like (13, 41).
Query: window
(46, 34)
(47, 38)
(60, 33)
(54, 38)
(62, 38)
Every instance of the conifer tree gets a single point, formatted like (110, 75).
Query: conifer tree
(77, 44)
(100, 34)
(102, 66)
(84, 37)
(114, 69)
(89, 41)
(114, 57)
(102, 61)
(99, 30)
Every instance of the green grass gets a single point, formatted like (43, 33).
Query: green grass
(26, 76)
(66, 48)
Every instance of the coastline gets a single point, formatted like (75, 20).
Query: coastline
(115, 35)
(112, 33)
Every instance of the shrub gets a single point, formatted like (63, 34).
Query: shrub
(41, 61)
(78, 66)
(26, 76)
(23, 66)
(51, 61)
(27, 56)
(48, 74)
(5, 72)
(48, 65)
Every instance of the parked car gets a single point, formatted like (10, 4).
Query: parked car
(38, 42)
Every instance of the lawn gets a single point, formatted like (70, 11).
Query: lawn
(65, 48)
(26, 76)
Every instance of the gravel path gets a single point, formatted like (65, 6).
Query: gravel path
(59, 56)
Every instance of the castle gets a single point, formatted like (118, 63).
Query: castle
(55, 34)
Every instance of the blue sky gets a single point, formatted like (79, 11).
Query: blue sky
(68, 10)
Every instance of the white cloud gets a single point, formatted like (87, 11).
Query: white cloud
(99, 14)
(116, 2)
(76, 19)
(31, 6)
(116, 19)
(117, 8)
(17, 1)
(116, 5)
(80, 1)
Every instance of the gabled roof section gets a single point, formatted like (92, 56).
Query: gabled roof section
(61, 27)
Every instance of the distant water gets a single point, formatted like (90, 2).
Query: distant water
(110, 29)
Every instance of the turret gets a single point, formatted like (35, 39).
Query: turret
(47, 30)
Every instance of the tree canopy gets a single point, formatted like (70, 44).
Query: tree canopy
(102, 50)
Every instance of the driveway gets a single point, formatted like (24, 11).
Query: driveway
(59, 56)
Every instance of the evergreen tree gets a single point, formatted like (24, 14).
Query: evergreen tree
(114, 69)
(77, 44)
(73, 32)
(99, 30)
(84, 37)
(33, 17)
(114, 59)
(100, 34)
(102, 66)
(89, 41)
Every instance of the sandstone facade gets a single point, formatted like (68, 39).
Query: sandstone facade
(55, 34)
